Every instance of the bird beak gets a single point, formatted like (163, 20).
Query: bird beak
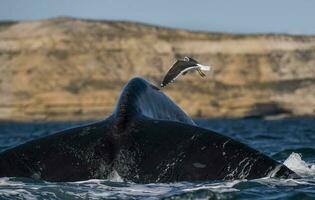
(204, 67)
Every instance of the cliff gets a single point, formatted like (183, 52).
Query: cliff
(71, 69)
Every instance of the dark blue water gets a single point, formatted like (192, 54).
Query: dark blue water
(291, 141)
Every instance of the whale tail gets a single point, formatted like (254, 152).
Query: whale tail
(148, 138)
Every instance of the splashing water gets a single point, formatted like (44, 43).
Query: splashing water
(114, 176)
(296, 164)
(288, 141)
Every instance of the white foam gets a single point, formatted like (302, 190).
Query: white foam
(114, 176)
(282, 182)
(299, 166)
(221, 187)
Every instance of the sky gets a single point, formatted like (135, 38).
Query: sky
(233, 16)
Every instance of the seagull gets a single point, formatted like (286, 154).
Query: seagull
(181, 67)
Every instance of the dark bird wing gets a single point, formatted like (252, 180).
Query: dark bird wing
(177, 69)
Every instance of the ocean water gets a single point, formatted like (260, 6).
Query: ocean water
(291, 141)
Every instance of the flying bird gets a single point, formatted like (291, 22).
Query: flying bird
(181, 67)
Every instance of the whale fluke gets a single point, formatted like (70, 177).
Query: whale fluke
(148, 138)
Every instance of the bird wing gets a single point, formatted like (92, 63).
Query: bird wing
(176, 70)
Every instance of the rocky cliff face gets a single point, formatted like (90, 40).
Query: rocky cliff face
(70, 69)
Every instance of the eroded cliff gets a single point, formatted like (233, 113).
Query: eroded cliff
(71, 69)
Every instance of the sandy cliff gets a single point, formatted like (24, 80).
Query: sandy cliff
(70, 69)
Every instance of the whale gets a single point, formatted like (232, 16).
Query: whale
(147, 139)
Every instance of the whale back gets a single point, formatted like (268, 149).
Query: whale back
(139, 98)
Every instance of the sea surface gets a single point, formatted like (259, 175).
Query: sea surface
(291, 141)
